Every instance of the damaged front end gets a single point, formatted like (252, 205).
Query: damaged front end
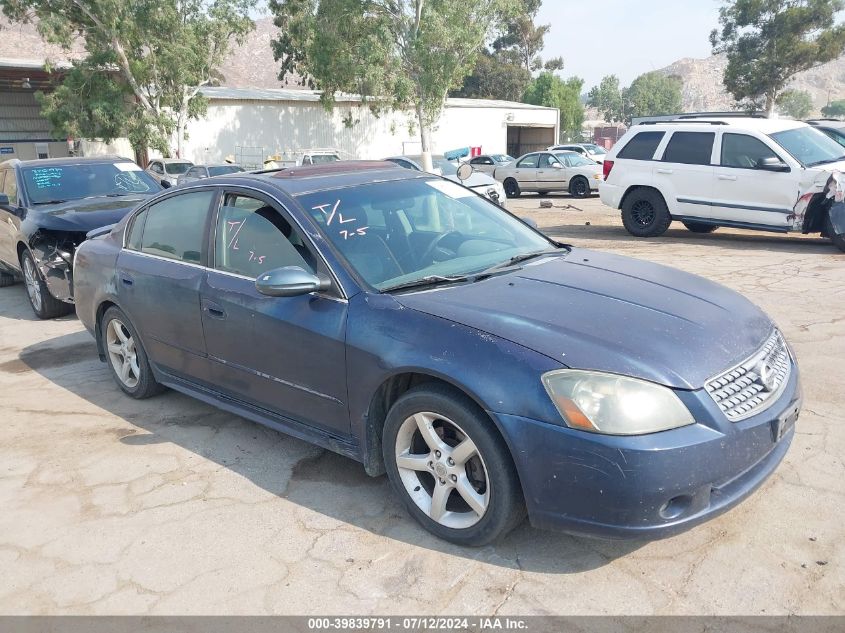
(53, 252)
(822, 211)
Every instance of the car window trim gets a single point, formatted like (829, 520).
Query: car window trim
(224, 189)
(721, 164)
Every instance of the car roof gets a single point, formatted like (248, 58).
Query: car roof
(757, 124)
(336, 175)
(67, 160)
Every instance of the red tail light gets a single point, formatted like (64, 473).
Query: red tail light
(606, 167)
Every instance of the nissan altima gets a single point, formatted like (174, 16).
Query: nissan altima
(407, 322)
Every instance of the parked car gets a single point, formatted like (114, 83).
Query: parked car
(199, 172)
(707, 172)
(167, 170)
(46, 208)
(480, 183)
(588, 150)
(298, 158)
(487, 163)
(834, 128)
(394, 317)
(545, 172)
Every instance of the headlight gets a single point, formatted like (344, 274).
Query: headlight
(500, 191)
(614, 405)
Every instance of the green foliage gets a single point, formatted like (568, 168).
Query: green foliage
(146, 61)
(551, 91)
(795, 103)
(494, 79)
(652, 94)
(607, 98)
(835, 109)
(395, 53)
(768, 41)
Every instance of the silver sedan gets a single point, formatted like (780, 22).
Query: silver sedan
(544, 172)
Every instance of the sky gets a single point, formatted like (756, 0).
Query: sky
(625, 37)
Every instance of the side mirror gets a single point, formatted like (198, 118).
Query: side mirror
(4, 200)
(772, 164)
(166, 184)
(465, 171)
(557, 166)
(290, 281)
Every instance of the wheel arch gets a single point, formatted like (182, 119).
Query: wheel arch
(98, 318)
(634, 188)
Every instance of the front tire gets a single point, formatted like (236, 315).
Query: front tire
(644, 213)
(450, 466)
(838, 240)
(579, 187)
(512, 188)
(45, 305)
(700, 227)
(126, 357)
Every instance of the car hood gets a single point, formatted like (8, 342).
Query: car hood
(591, 310)
(88, 214)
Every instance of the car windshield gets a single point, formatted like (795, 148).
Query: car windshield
(400, 232)
(575, 160)
(318, 159)
(809, 146)
(836, 135)
(223, 169)
(59, 183)
(596, 149)
(177, 169)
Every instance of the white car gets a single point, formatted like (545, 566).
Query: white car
(589, 150)
(478, 182)
(167, 170)
(743, 172)
(488, 163)
(544, 172)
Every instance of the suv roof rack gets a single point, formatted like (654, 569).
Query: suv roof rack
(681, 122)
(690, 117)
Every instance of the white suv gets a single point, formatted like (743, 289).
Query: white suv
(743, 172)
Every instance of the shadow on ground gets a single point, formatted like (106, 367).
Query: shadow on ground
(321, 481)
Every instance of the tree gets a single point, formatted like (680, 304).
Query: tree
(795, 103)
(551, 91)
(494, 79)
(394, 53)
(521, 40)
(835, 109)
(607, 98)
(768, 41)
(652, 94)
(146, 63)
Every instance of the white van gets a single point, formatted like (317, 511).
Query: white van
(742, 172)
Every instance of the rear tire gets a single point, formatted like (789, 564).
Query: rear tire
(126, 357)
(451, 468)
(838, 240)
(700, 227)
(644, 213)
(512, 188)
(45, 305)
(579, 187)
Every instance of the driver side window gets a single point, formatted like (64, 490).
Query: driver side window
(743, 151)
(547, 160)
(253, 237)
(529, 162)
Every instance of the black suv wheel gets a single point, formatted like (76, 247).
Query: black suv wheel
(644, 213)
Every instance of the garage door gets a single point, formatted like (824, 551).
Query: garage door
(523, 139)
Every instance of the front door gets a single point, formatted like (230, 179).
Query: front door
(552, 175)
(284, 354)
(745, 193)
(159, 275)
(526, 172)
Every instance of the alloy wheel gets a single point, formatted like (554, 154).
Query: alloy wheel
(442, 470)
(33, 284)
(122, 353)
(580, 188)
(642, 212)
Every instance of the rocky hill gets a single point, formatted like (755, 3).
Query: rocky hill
(703, 89)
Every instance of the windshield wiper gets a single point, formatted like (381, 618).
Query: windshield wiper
(521, 258)
(430, 280)
(50, 202)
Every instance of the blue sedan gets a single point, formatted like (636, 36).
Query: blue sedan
(403, 320)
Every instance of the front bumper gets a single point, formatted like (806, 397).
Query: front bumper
(649, 486)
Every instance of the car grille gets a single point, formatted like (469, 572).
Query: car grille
(753, 385)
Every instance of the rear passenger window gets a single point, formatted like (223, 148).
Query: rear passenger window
(642, 146)
(741, 150)
(175, 227)
(690, 148)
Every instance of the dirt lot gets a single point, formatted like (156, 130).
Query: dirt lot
(169, 506)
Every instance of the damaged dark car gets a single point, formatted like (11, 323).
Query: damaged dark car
(46, 209)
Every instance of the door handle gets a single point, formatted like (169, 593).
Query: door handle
(726, 177)
(214, 310)
(665, 171)
(126, 280)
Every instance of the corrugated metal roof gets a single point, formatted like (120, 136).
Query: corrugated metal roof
(287, 94)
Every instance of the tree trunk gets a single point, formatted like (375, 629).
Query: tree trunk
(180, 136)
(770, 104)
(425, 139)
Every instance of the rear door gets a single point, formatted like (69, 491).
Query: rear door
(747, 194)
(159, 275)
(685, 173)
(286, 355)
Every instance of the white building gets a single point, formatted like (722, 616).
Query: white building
(251, 124)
